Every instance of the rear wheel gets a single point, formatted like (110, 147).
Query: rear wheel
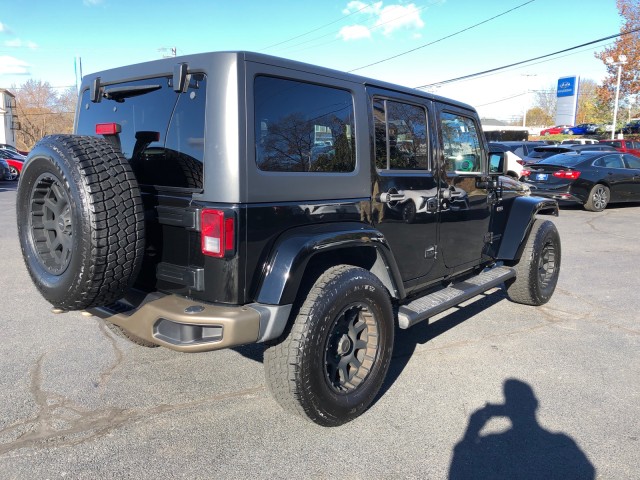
(409, 212)
(539, 267)
(81, 225)
(330, 365)
(13, 173)
(599, 197)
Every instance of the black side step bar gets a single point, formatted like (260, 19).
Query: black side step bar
(437, 302)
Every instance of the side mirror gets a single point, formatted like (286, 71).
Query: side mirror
(497, 164)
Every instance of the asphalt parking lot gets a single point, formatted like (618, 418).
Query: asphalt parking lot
(547, 392)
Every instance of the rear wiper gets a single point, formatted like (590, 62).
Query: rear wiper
(118, 94)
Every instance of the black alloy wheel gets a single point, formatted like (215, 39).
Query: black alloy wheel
(51, 224)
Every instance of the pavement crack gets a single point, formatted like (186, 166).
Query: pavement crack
(119, 356)
(59, 422)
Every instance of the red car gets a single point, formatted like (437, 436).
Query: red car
(554, 130)
(626, 146)
(15, 161)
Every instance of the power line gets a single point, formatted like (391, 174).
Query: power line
(464, 77)
(537, 63)
(443, 38)
(502, 99)
(316, 29)
(371, 28)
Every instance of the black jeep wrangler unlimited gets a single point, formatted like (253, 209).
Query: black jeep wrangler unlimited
(221, 199)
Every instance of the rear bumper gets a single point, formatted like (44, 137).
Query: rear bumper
(189, 326)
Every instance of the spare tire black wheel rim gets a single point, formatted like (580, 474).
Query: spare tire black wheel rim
(351, 348)
(51, 224)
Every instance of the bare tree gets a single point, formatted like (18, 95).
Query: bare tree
(41, 111)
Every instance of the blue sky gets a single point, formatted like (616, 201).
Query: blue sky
(40, 39)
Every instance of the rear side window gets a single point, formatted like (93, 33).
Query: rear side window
(161, 131)
(302, 127)
(631, 161)
(460, 143)
(401, 136)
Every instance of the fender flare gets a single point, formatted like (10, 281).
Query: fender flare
(521, 217)
(290, 255)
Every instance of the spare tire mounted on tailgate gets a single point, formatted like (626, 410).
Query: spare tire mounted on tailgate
(80, 221)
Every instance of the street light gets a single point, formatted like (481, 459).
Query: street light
(622, 59)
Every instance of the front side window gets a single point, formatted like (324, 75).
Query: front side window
(460, 143)
(400, 135)
(302, 127)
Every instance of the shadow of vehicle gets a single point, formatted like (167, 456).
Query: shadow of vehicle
(524, 451)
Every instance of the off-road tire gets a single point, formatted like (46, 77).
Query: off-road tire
(330, 364)
(599, 197)
(538, 269)
(80, 221)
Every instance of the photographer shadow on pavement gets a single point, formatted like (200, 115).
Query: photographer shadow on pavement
(525, 451)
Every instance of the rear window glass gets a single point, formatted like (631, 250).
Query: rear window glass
(563, 159)
(161, 131)
(302, 127)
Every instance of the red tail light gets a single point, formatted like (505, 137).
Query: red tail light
(526, 173)
(217, 233)
(567, 174)
(107, 128)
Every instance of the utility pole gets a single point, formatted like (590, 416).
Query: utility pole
(526, 95)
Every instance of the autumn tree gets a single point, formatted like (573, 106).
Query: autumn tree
(538, 117)
(627, 44)
(42, 111)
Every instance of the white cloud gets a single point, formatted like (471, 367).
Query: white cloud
(361, 7)
(17, 43)
(4, 28)
(13, 66)
(354, 32)
(394, 17)
(388, 19)
(92, 3)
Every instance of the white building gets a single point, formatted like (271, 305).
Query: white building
(8, 117)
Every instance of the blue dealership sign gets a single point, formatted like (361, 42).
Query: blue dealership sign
(566, 87)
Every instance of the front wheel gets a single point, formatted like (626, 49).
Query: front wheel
(539, 267)
(330, 365)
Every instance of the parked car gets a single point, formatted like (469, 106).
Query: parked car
(4, 169)
(624, 145)
(520, 148)
(554, 130)
(514, 162)
(632, 127)
(546, 151)
(15, 162)
(579, 141)
(582, 129)
(593, 179)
